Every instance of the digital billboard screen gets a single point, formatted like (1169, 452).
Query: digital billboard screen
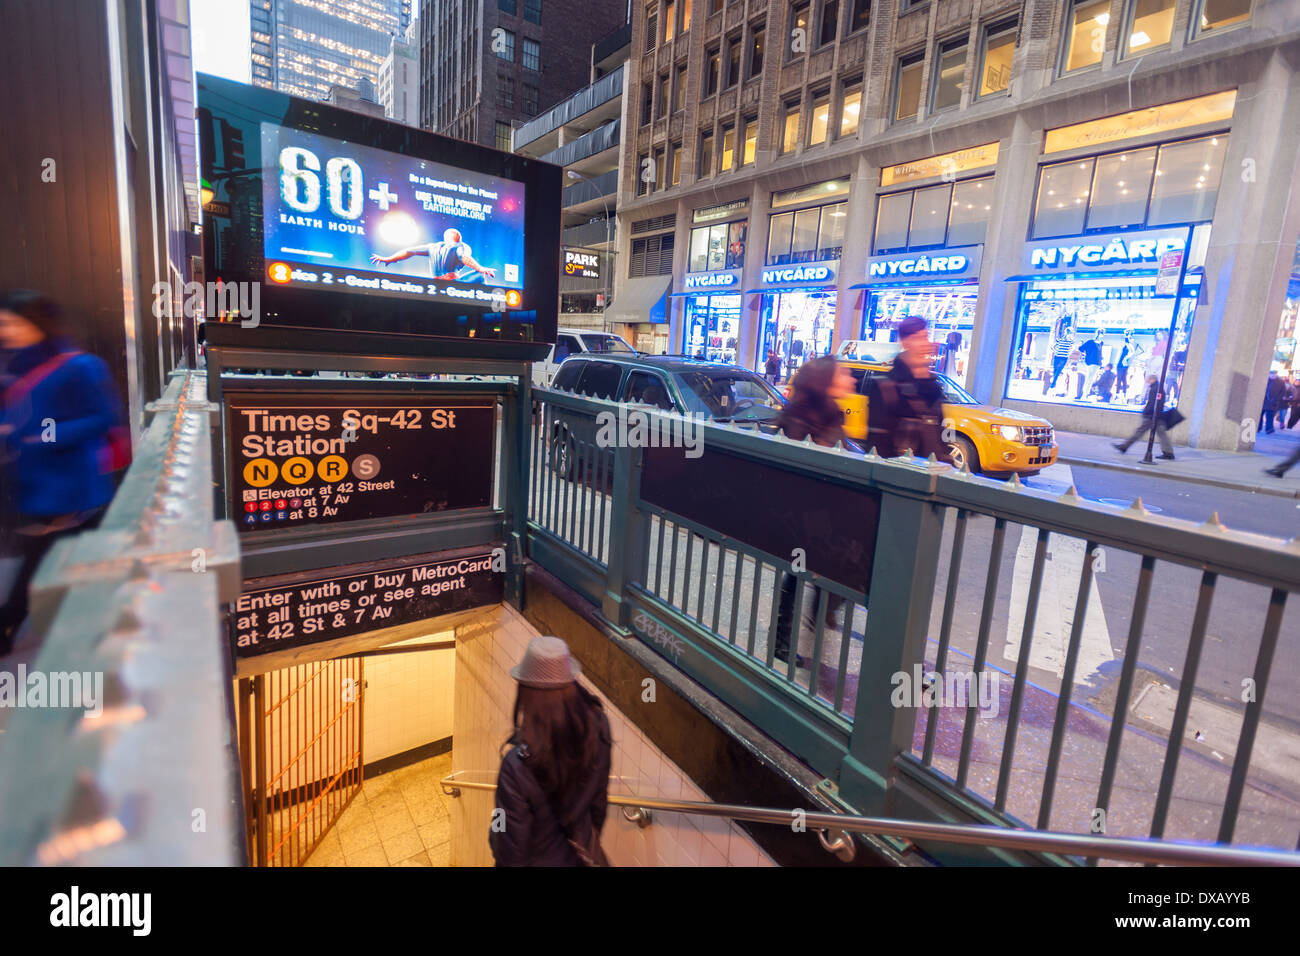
(352, 223)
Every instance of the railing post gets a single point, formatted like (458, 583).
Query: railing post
(627, 535)
(515, 447)
(903, 576)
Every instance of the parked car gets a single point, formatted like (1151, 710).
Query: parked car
(576, 342)
(997, 441)
(715, 390)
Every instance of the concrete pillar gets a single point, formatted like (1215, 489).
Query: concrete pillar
(751, 277)
(857, 246)
(1252, 244)
(1004, 245)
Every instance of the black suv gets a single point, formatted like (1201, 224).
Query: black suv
(673, 383)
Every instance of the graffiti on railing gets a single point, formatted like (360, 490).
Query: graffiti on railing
(655, 632)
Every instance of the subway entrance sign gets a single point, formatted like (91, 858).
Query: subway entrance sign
(302, 459)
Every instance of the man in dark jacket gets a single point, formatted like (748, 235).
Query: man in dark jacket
(905, 405)
(1274, 399)
(1155, 400)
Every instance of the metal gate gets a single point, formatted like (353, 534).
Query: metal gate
(300, 750)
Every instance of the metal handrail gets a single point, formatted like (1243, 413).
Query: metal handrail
(1135, 850)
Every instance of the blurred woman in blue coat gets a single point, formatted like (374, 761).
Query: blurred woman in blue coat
(57, 410)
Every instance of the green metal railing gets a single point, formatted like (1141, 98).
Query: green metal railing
(710, 605)
(151, 778)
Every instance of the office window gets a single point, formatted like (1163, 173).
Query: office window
(798, 31)
(532, 55)
(677, 163)
(830, 22)
(850, 110)
(860, 18)
(706, 155)
(647, 102)
(670, 15)
(789, 128)
(907, 88)
(686, 15)
(949, 72)
(972, 203)
(533, 11)
(506, 92)
(507, 46)
(1150, 25)
(1187, 181)
(644, 176)
(821, 117)
(715, 6)
(651, 28)
(806, 235)
(679, 91)
(893, 213)
(503, 135)
(733, 62)
(755, 53)
(1120, 185)
(508, 6)
(996, 51)
(728, 148)
(1085, 34)
(530, 99)
(651, 256)
(660, 169)
(712, 63)
(1221, 14)
(663, 97)
(751, 141)
(721, 246)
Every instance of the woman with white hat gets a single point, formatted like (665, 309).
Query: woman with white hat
(554, 779)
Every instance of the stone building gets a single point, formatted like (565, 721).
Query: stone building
(1030, 177)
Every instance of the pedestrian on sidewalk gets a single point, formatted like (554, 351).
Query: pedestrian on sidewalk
(1282, 467)
(1274, 399)
(813, 412)
(61, 436)
(1293, 401)
(553, 786)
(1155, 400)
(905, 405)
(773, 366)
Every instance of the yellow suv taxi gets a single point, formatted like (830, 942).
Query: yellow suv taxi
(991, 440)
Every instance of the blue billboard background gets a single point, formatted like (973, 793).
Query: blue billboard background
(333, 210)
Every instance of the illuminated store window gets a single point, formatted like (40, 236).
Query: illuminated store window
(1187, 180)
(1085, 34)
(719, 246)
(934, 216)
(1120, 186)
(806, 235)
(1149, 27)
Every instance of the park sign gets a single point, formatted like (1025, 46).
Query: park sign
(581, 265)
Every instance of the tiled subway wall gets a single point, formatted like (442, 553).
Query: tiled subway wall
(407, 698)
(485, 692)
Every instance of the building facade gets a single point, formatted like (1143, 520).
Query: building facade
(399, 78)
(305, 48)
(490, 65)
(1075, 195)
(581, 133)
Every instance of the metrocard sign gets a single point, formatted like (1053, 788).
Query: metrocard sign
(1105, 253)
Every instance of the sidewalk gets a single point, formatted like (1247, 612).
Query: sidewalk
(1240, 471)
